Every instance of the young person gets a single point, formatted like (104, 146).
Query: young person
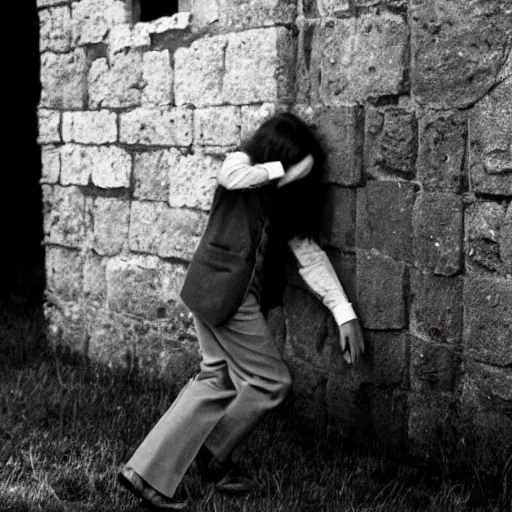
(268, 202)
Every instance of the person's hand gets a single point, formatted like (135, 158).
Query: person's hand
(297, 171)
(351, 341)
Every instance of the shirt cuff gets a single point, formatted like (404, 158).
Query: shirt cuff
(275, 170)
(344, 313)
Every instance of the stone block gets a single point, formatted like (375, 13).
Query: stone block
(436, 309)
(490, 144)
(339, 218)
(49, 126)
(391, 4)
(198, 72)
(332, 8)
(256, 13)
(482, 235)
(437, 225)
(156, 127)
(150, 171)
(117, 85)
(66, 326)
(357, 58)
(95, 278)
(487, 319)
(217, 126)
(111, 220)
(89, 127)
(125, 36)
(92, 19)
(76, 164)
(345, 267)
(64, 215)
(442, 150)
(387, 352)
(433, 367)
(253, 116)
(157, 77)
(48, 3)
(167, 232)
(457, 50)
(63, 80)
(192, 180)
(259, 67)
(390, 142)
(204, 12)
(50, 164)
(55, 29)
(506, 241)
(64, 272)
(384, 218)
(381, 291)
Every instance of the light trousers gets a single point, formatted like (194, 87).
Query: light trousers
(242, 376)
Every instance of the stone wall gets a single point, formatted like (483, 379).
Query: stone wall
(412, 100)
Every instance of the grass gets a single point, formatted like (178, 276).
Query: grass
(66, 426)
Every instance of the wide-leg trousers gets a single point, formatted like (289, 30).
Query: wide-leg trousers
(242, 376)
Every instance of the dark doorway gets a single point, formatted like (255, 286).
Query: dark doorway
(149, 10)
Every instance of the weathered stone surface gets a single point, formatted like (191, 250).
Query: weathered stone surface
(64, 272)
(380, 291)
(111, 217)
(67, 326)
(155, 127)
(177, 22)
(457, 49)
(192, 180)
(345, 266)
(49, 126)
(158, 78)
(95, 278)
(55, 29)
(47, 3)
(63, 80)
(390, 142)
(125, 36)
(490, 128)
(353, 59)
(217, 126)
(89, 127)
(442, 149)
(384, 218)
(198, 72)
(387, 352)
(253, 116)
(436, 312)
(117, 85)
(76, 164)
(150, 171)
(204, 12)
(483, 224)
(437, 225)
(334, 8)
(256, 13)
(167, 232)
(64, 215)
(506, 241)
(92, 19)
(487, 319)
(259, 67)
(339, 218)
(433, 367)
(50, 164)
(394, 4)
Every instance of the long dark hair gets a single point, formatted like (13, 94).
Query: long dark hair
(296, 207)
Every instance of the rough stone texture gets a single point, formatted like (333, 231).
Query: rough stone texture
(64, 269)
(89, 127)
(155, 127)
(64, 215)
(506, 241)
(490, 128)
(63, 80)
(47, 3)
(125, 36)
(390, 142)
(110, 221)
(50, 164)
(457, 49)
(345, 266)
(339, 218)
(157, 76)
(332, 7)
(253, 116)
(436, 314)
(49, 126)
(259, 67)
(380, 291)
(198, 72)
(384, 218)
(55, 29)
(117, 85)
(95, 282)
(437, 225)
(76, 164)
(387, 352)
(192, 180)
(353, 59)
(167, 232)
(487, 319)
(92, 19)
(483, 225)
(217, 126)
(442, 151)
(67, 325)
(256, 13)
(204, 12)
(150, 172)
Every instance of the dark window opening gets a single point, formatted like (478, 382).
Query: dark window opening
(149, 10)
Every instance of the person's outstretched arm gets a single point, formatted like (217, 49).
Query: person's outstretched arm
(320, 276)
